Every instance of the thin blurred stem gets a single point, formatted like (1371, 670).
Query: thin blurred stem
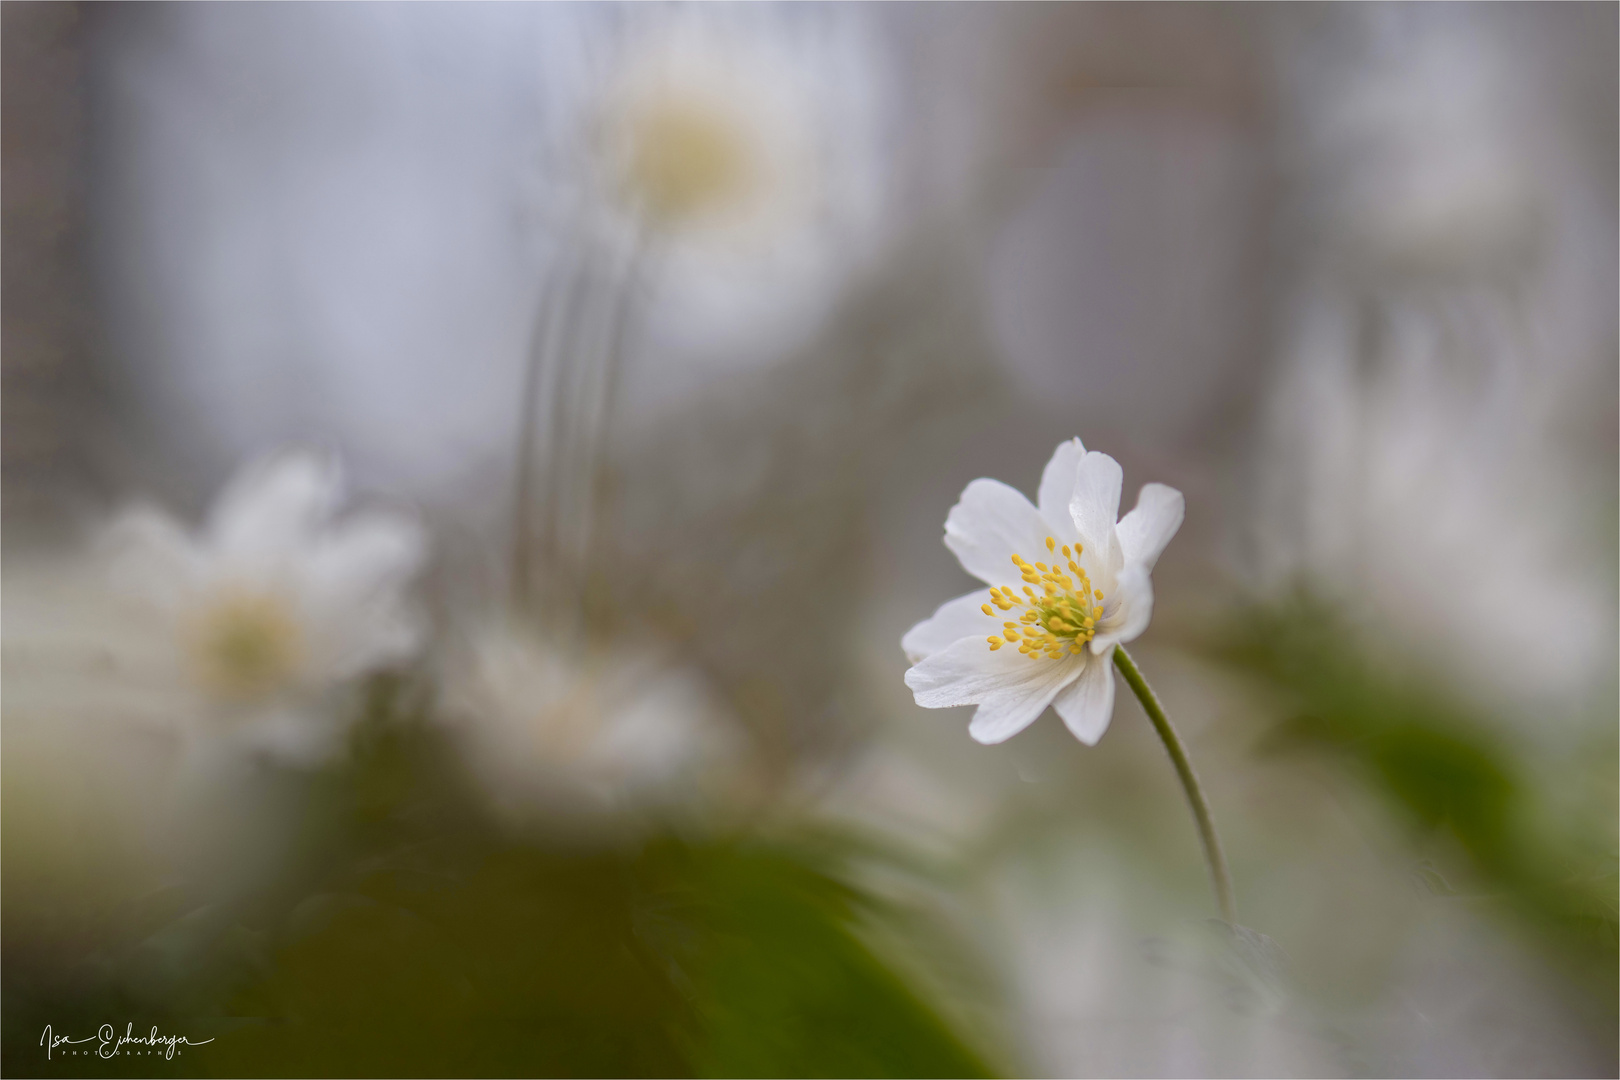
(595, 524)
(570, 383)
(542, 382)
(1189, 781)
(523, 480)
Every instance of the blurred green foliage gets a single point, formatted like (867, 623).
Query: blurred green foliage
(1471, 794)
(410, 936)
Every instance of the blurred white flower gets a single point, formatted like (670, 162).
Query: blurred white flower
(1440, 421)
(1420, 141)
(274, 603)
(747, 150)
(1410, 496)
(1096, 590)
(686, 154)
(581, 736)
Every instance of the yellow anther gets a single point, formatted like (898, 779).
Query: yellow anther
(1060, 619)
(987, 609)
(995, 643)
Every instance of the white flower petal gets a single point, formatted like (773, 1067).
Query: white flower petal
(1130, 616)
(1087, 704)
(1144, 532)
(363, 557)
(1094, 505)
(354, 579)
(294, 737)
(151, 556)
(1000, 718)
(369, 637)
(1010, 689)
(988, 525)
(274, 507)
(1057, 488)
(955, 620)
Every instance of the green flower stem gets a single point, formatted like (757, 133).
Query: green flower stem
(1189, 780)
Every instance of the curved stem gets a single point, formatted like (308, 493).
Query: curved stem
(1189, 780)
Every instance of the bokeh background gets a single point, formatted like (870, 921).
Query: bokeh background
(679, 330)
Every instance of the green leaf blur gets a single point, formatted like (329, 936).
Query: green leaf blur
(412, 937)
(1471, 799)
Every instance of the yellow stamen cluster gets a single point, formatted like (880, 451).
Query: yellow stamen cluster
(1058, 618)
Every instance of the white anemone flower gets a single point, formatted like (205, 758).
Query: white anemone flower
(1043, 633)
(684, 153)
(750, 151)
(581, 736)
(272, 605)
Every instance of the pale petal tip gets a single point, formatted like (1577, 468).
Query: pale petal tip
(910, 645)
(989, 736)
(1092, 738)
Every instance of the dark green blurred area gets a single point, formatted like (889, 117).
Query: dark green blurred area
(1475, 801)
(409, 936)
